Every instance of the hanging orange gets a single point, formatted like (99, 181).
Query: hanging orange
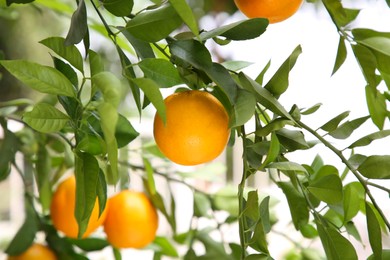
(274, 10)
(132, 220)
(62, 210)
(196, 129)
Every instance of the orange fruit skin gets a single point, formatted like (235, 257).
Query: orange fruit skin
(35, 252)
(196, 130)
(132, 220)
(62, 209)
(274, 10)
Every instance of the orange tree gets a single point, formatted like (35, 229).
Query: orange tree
(80, 125)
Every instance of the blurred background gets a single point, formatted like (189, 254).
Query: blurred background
(23, 26)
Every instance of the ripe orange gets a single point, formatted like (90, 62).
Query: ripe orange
(35, 252)
(62, 210)
(274, 10)
(196, 130)
(132, 220)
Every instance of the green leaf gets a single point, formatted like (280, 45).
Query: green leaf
(276, 124)
(327, 188)
(109, 119)
(95, 63)
(124, 132)
(336, 246)
(258, 240)
(341, 16)
(8, 148)
(251, 208)
(346, 129)
(9, 2)
(226, 199)
(90, 244)
(41, 78)
(78, 26)
(25, 236)
(161, 71)
(278, 84)
(154, 25)
(353, 196)
(366, 140)
(119, 7)
(263, 96)
(311, 109)
(378, 42)
(151, 185)
(45, 118)
(244, 107)
(142, 48)
(274, 150)
(385, 252)
(297, 203)
(241, 30)
(186, 14)
(376, 103)
(152, 92)
(109, 85)
(287, 166)
(340, 56)
(236, 65)
(87, 177)
(69, 52)
(292, 139)
(367, 62)
(374, 232)
(308, 231)
(375, 167)
(202, 205)
(223, 79)
(67, 70)
(164, 247)
(42, 176)
(332, 124)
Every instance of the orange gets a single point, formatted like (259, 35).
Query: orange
(62, 210)
(35, 252)
(274, 10)
(132, 220)
(196, 129)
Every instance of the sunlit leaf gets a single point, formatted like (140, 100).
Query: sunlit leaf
(327, 188)
(69, 52)
(376, 167)
(353, 195)
(278, 84)
(366, 140)
(202, 205)
(95, 63)
(161, 71)
(45, 118)
(311, 109)
(332, 124)
(340, 56)
(109, 85)
(152, 92)
(286, 166)
(347, 128)
(163, 246)
(154, 25)
(186, 14)
(41, 78)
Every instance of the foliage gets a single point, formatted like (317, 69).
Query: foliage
(81, 124)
